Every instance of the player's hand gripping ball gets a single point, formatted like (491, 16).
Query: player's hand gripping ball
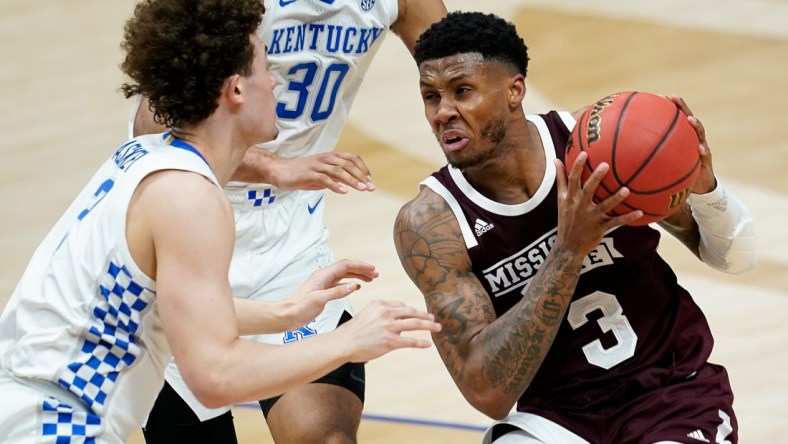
(651, 149)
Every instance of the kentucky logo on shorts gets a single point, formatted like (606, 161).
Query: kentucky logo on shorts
(303, 332)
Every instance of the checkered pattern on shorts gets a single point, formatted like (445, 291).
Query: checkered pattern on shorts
(110, 343)
(257, 199)
(62, 425)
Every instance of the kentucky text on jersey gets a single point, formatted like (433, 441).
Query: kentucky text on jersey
(128, 154)
(517, 270)
(324, 38)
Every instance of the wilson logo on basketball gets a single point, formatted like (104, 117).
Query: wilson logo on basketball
(595, 119)
(650, 147)
(678, 197)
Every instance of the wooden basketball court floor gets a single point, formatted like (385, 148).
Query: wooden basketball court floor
(61, 115)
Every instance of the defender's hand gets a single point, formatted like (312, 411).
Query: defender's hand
(376, 330)
(334, 171)
(326, 285)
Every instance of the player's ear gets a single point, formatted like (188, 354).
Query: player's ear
(233, 89)
(516, 90)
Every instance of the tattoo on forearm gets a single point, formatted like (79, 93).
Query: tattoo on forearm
(433, 253)
(532, 325)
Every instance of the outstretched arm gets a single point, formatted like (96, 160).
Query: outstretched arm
(167, 238)
(415, 16)
(334, 171)
(309, 300)
(493, 359)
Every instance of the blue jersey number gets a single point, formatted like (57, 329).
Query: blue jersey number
(302, 77)
(98, 196)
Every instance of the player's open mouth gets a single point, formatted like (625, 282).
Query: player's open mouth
(453, 140)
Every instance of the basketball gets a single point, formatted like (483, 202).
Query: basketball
(651, 149)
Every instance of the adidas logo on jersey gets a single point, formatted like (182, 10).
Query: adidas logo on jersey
(697, 435)
(482, 227)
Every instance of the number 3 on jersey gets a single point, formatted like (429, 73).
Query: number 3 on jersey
(296, 97)
(612, 320)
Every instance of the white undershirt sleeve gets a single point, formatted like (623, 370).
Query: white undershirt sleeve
(727, 231)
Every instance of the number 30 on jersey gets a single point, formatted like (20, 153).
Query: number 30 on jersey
(303, 83)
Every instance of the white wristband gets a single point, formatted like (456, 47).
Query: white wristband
(727, 230)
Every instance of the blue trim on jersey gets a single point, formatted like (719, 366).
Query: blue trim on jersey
(61, 424)
(170, 138)
(110, 343)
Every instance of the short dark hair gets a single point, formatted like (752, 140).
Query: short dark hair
(179, 53)
(463, 32)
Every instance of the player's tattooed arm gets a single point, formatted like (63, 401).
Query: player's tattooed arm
(492, 360)
(525, 333)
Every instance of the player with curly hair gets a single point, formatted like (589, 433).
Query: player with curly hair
(319, 52)
(136, 270)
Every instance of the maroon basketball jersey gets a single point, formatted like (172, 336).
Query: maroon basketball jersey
(630, 326)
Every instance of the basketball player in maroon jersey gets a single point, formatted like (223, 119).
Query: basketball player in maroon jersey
(545, 301)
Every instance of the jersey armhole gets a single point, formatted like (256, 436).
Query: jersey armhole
(433, 184)
(568, 119)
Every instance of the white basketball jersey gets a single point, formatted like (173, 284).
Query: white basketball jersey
(319, 51)
(82, 325)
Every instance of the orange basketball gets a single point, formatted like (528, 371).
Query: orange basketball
(651, 149)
